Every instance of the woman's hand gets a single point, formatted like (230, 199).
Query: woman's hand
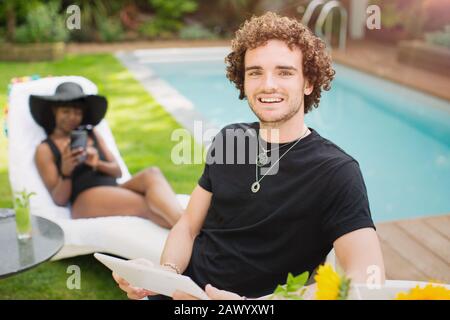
(212, 292)
(70, 159)
(134, 292)
(92, 157)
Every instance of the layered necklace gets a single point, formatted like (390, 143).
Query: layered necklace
(262, 159)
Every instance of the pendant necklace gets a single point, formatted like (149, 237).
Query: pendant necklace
(257, 184)
(262, 158)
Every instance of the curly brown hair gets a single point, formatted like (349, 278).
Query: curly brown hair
(317, 66)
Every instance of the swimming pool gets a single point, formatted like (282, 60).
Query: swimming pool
(400, 137)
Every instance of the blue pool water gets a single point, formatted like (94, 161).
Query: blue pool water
(400, 137)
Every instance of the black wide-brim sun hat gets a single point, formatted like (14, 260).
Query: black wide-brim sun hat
(41, 107)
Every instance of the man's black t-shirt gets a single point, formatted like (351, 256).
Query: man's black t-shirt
(250, 241)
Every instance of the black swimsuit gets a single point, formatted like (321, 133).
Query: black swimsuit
(83, 176)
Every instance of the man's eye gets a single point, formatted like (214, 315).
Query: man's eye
(285, 73)
(254, 73)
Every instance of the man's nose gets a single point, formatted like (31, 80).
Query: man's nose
(269, 83)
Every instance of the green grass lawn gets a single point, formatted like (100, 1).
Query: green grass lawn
(142, 130)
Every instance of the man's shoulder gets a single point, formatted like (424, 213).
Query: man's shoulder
(337, 168)
(329, 151)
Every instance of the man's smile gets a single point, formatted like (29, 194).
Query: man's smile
(269, 99)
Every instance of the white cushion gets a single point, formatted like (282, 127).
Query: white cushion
(129, 237)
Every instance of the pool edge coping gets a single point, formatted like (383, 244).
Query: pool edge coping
(177, 105)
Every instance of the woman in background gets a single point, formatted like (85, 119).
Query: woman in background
(85, 179)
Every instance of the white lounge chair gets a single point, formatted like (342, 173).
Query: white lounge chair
(129, 237)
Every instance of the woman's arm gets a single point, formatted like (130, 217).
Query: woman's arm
(59, 188)
(110, 166)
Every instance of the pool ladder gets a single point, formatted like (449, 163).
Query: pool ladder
(325, 18)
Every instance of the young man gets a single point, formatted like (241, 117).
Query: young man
(245, 228)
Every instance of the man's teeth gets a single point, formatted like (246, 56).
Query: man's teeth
(270, 100)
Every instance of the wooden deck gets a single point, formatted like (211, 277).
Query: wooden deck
(381, 60)
(416, 249)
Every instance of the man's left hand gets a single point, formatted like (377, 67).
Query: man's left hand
(212, 292)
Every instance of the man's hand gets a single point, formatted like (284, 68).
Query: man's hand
(212, 292)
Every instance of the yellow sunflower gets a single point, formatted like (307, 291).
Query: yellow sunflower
(331, 285)
(429, 292)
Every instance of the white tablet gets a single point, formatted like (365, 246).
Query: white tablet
(150, 278)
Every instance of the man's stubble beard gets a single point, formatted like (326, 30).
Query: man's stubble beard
(294, 108)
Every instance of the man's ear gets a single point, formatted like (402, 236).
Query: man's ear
(308, 88)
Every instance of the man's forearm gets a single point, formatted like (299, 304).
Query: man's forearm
(359, 254)
(373, 274)
(178, 247)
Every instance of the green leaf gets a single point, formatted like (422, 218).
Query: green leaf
(30, 195)
(344, 288)
(292, 289)
(290, 277)
(17, 202)
(22, 198)
(279, 289)
(302, 278)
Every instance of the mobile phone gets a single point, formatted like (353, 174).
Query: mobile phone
(78, 139)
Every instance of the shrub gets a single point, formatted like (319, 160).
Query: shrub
(160, 28)
(99, 21)
(197, 31)
(2, 35)
(109, 29)
(43, 24)
(168, 17)
(173, 9)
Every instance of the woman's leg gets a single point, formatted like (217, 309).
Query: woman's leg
(113, 201)
(161, 199)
